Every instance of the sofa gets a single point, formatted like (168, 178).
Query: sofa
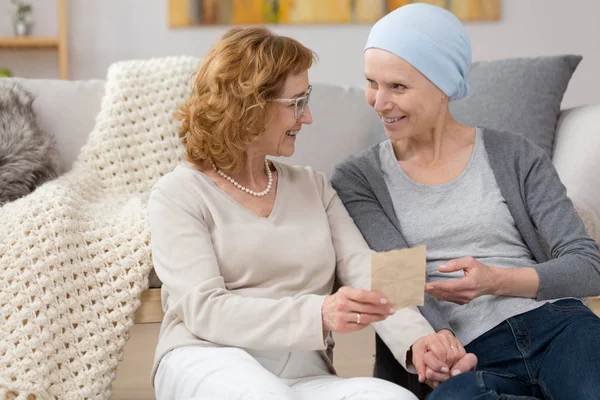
(343, 124)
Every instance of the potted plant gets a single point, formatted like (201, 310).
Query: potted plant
(21, 23)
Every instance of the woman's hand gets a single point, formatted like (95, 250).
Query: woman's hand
(439, 355)
(467, 363)
(479, 280)
(351, 309)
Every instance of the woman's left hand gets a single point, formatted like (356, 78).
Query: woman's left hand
(438, 356)
(479, 280)
(467, 363)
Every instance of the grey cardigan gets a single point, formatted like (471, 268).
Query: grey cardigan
(535, 196)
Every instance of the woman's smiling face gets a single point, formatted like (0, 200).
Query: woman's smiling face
(405, 100)
(282, 127)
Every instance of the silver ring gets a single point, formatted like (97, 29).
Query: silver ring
(358, 318)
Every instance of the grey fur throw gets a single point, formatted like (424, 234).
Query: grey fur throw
(28, 156)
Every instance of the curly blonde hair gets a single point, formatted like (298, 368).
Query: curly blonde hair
(231, 92)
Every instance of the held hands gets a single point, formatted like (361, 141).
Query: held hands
(439, 356)
(351, 309)
(479, 280)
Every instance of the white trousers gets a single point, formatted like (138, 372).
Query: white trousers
(204, 373)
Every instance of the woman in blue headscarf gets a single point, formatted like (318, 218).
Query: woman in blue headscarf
(477, 198)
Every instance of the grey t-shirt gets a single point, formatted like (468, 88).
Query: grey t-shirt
(467, 216)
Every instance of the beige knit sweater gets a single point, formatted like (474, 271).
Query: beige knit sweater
(232, 278)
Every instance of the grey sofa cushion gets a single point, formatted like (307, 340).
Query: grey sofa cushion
(521, 95)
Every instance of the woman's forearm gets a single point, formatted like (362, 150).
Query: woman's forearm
(518, 282)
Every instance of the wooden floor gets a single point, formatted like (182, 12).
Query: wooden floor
(353, 356)
(133, 374)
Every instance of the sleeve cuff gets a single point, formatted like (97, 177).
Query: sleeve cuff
(319, 334)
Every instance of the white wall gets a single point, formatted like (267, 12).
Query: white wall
(104, 31)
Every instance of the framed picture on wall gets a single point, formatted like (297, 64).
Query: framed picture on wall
(185, 13)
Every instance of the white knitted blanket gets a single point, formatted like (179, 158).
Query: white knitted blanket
(74, 254)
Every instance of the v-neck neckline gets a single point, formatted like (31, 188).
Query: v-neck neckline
(272, 215)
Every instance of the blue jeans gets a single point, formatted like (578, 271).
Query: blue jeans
(552, 352)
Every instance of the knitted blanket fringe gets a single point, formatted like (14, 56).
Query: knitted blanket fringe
(75, 255)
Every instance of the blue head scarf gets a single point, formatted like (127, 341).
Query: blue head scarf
(432, 40)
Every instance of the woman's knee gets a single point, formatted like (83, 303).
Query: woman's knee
(374, 388)
(213, 373)
(463, 386)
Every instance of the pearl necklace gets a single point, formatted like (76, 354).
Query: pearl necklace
(245, 189)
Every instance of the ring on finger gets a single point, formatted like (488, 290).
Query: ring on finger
(358, 318)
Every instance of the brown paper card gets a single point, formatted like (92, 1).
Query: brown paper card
(400, 276)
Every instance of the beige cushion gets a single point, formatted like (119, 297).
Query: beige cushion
(594, 304)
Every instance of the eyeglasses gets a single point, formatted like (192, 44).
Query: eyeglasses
(300, 103)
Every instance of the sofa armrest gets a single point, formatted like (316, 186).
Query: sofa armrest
(577, 160)
(577, 157)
